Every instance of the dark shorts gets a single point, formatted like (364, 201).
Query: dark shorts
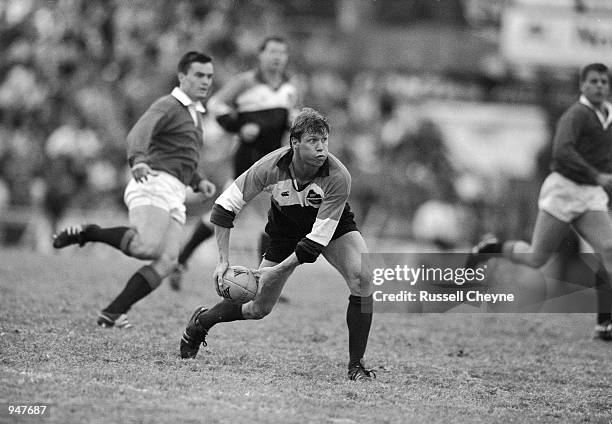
(280, 249)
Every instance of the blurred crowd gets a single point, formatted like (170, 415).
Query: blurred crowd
(76, 74)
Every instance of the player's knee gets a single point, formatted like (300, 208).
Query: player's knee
(143, 250)
(538, 260)
(359, 282)
(523, 253)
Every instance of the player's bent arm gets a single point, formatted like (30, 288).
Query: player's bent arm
(307, 251)
(222, 236)
(564, 146)
(288, 265)
(139, 137)
(277, 272)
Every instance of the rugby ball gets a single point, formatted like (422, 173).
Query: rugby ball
(238, 285)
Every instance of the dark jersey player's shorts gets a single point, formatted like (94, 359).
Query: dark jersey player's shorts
(280, 248)
(245, 157)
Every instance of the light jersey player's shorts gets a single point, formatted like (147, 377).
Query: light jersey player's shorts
(164, 191)
(566, 200)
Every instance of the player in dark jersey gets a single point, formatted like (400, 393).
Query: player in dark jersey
(309, 215)
(574, 194)
(257, 105)
(163, 153)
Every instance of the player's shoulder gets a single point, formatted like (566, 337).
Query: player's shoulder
(577, 109)
(244, 79)
(271, 163)
(165, 103)
(272, 159)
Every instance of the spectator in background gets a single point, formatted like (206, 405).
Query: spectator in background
(258, 106)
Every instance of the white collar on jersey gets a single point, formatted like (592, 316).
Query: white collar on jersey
(180, 95)
(605, 122)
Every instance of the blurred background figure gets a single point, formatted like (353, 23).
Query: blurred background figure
(256, 106)
(69, 151)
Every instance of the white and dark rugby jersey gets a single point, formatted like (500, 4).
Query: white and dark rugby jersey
(248, 98)
(311, 213)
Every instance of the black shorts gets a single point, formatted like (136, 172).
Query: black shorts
(280, 249)
(245, 157)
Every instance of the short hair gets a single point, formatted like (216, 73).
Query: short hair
(308, 121)
(191, 57)
(597, 67)
(275, 38)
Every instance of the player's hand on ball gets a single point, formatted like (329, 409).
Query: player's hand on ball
(207, 188)
(249, 132)
(141, 171)
(218, 275)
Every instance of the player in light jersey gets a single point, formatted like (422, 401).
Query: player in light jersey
(574, 195)
(309, 215)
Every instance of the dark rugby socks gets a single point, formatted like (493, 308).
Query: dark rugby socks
(201, 233)
(359, 320)
(221, 312)
(603, 289)
(118, 237)
(143, 282)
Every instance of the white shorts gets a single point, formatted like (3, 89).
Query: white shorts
(566, 200)
(164, 191)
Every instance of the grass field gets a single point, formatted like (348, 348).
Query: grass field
(287, 368)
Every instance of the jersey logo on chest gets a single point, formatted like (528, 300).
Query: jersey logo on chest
(285, 194)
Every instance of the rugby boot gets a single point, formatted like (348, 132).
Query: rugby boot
(107, 320)
(358, 372)
(603, 331)
(193, 336)
(72, 235)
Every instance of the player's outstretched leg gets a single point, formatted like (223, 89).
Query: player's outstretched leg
(72, 235)
(201, 322)
(345, 254)
(117, 237)
(143, 282)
